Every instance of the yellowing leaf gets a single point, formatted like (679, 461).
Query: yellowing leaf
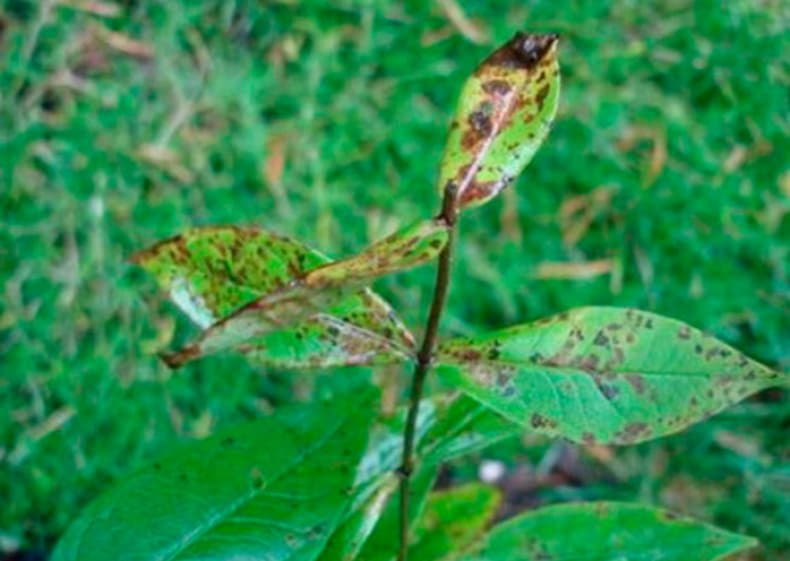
(211, 272)
(312, 292)
(504, 113)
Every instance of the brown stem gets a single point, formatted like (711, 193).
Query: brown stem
(424, 359)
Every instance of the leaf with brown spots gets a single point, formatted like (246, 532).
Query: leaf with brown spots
(606, 531)
(603, 375)
(504, 113)
(326, 287)
(211, 272)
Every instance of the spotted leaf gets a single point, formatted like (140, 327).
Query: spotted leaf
(413, 245)
(275, 488)
(606, 531)
(324, 288)
(605, 375)
(211, 272)
(504, 113)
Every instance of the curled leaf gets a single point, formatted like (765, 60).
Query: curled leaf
(211, 272)
(504, 113)
(603, 375)
(317, 290)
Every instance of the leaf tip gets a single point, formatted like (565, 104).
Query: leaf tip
(176, 359)
(530, 48)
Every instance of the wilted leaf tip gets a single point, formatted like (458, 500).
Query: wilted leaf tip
(525, 50)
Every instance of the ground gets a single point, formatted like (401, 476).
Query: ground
(664, 185)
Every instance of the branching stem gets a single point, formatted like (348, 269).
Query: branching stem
(449, 214)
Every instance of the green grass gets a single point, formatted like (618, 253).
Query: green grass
(671, 141)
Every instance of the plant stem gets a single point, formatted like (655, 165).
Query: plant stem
(424, 359)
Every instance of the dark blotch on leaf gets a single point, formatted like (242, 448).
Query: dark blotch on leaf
(601, 339)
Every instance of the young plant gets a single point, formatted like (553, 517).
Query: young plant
(315, 481)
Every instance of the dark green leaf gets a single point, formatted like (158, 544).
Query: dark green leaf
(606, 532)
(603, 375)
(446, 428)
(453, 519)
(504, 114)
(212, 272)
(271, 489)
(382, 545)
(347, 541)
(462, 425)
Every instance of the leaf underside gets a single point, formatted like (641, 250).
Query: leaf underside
(271, 489)
(606, 531)
(504, 113)
(603, 375)
(211, 272)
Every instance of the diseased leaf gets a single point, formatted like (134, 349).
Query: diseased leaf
(275, 488)
(504, 113)
(413, 245)
(605, 375)
(319, 289)
(211, 272)
(606, 531)
(453, 520)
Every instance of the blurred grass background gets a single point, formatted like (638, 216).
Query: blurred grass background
(664, 185)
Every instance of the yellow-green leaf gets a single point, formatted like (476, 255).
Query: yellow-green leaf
(504, 113)
(319, 290)
(211, 272)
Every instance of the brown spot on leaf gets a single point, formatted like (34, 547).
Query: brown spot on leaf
(540, 97)
(637, 382)
(601, 339)
(497, 87)
(633, 432)
(539, 421)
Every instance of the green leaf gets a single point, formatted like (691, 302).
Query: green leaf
(211, 272)
(347, 541)
(504, 113)
(446, 427)
(604, 375)
(275, 488)
(320, 289)
(382, 545)
(606, 531)
(453, 519)
(462, 425)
